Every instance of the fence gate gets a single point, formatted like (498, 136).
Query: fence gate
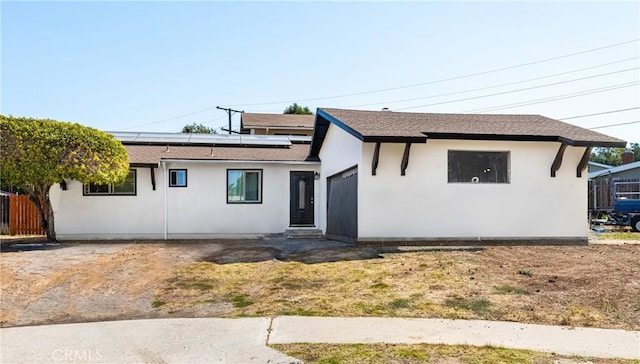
(24, 218)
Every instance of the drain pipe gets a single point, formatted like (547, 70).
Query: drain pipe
(164, 200)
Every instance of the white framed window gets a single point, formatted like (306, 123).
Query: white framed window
(177, 178)
(465, 166)
(244, 186)
(127, 188)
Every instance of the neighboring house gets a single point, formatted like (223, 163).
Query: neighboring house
(608, 187)
(626, 171)
(595, 167)
(367, 176)
(276, 124)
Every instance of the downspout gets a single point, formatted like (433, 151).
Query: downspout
(164, 201)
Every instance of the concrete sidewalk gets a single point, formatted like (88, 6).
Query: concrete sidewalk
(200, 340)
(193, 340)
(563, 340)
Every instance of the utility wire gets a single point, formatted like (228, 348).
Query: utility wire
(171, 118)
(494, 86)
(520, 89)
(444, 79)
(600, 113)
(554, 98)
(397, 87)
(210, 121)
(612, 125)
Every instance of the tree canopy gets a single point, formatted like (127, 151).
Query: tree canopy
(297, 109)
(198, 128)
(613, 156)
(35, 154)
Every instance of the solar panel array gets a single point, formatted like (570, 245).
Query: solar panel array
(128, 137)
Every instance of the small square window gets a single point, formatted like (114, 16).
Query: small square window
(177, 178)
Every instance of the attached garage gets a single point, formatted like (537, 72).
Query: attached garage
(342, 206)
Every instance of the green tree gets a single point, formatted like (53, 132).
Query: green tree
(297, 109)
(613, 156)
(198, 128)
(35, 154)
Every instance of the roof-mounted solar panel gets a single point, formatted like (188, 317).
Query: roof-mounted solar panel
(201, 139)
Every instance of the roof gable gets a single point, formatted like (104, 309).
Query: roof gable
(390, 126)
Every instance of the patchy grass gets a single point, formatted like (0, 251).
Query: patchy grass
(241, 301)
(400, 303)
(582, 286)
(525, 272)
(509, 289)
(620, 235)
(478, 306)
(425, 353)
(155, 304)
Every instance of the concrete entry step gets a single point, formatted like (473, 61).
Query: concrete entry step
(303, 233)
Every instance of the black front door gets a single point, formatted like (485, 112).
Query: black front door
(301, 192)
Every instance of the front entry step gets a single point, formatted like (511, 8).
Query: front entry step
(303, 234)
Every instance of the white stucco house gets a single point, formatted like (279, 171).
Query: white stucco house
(363, 176)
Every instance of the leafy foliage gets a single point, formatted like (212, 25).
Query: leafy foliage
(613, 156)
(297, 109)
(37, 153)
(199, 129)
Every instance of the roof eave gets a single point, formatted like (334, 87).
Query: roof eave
(393, 139)
(527, 138)
(144, 165)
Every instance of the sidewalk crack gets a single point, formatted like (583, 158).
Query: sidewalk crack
(269, 330)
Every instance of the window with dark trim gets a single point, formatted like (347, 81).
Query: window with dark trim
(244, 186)
(478, 167)
(127, 188)
(177, 178)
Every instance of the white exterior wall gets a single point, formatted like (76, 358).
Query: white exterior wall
(423, 204)
(339, 151)
(201, 210)
(110, 217)
(198, 211)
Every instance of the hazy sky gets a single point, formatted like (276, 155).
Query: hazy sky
(156, 66)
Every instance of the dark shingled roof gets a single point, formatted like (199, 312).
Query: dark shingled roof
(251, 120)
(391, 126)
(152, 154)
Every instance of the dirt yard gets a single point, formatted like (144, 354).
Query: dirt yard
(595, 286)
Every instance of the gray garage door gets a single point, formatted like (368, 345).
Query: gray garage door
(342, 206)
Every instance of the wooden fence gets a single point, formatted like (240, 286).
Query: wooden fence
(24, 218)
(603, 193)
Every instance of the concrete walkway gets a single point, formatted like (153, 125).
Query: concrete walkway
(214, 340)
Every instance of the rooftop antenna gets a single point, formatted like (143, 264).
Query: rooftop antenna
(230, 112)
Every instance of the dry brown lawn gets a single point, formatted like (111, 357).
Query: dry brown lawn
(597, 286)
(594, 286)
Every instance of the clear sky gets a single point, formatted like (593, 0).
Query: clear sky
(156, 66)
